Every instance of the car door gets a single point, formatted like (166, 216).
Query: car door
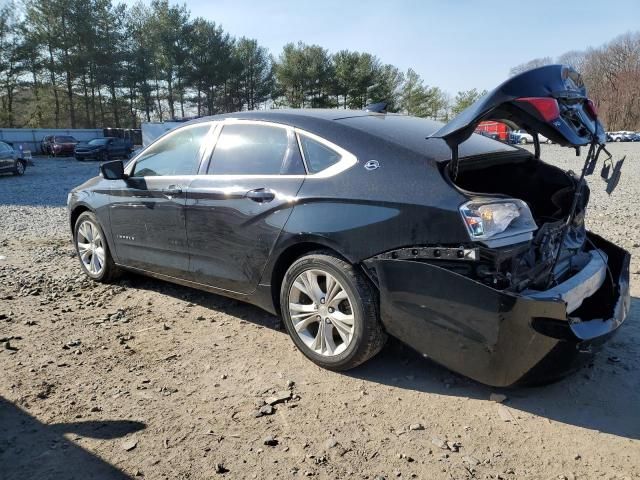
(237, 209)
(147, 209)
(6, 157)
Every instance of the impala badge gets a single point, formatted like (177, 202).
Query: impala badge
(372, 165)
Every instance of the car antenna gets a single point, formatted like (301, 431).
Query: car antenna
(380, 107)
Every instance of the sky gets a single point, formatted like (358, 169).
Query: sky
(455, 45)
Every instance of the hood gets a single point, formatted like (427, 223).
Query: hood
(550, 100)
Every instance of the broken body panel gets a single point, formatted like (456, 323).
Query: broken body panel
(494, 336)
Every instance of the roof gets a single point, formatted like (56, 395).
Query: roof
(402, 130)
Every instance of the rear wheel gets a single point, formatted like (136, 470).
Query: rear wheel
(523, 141)
(93, 251)
(330, 310)
(21, 166)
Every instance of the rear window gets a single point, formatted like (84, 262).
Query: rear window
(318, 156)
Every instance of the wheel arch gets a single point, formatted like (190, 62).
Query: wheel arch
(290, 254)
(75, 213)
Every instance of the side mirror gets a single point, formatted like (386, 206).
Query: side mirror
(113, 170)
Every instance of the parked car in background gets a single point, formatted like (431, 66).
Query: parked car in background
(61, 145)
(103, 149)
(11, 160)
(44, 144)
(621, 136)
(522, 137)
(355, 225)
(635, 137)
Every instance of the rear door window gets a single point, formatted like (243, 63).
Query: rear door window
(176, 154)
(255, 149)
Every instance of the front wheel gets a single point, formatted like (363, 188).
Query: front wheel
(330, 310)
(93, 251)
(21, 166)
(523, 141)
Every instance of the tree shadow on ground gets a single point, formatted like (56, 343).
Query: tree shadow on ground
(32, 449)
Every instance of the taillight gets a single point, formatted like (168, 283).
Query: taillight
(591, 108)
(547, 107)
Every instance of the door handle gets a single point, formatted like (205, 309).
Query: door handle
(260, 195)
(172, 191)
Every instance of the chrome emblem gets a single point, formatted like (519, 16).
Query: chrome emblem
(372, 165)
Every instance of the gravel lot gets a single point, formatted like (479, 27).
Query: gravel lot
(146, 379)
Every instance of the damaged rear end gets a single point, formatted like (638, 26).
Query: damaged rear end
(532, 293)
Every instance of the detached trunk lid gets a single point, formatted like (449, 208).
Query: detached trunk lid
(550, 101)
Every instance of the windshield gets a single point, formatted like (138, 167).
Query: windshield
(65, 140)
(98, 141)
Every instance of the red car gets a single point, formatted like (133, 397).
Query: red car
(62, 145)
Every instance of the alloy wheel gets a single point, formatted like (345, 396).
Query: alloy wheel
(20, 168)
(91, 247)
(321, 312)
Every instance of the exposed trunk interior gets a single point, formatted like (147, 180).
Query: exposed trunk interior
(547, 189)
(549, 192)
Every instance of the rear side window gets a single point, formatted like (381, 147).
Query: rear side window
(176, 154)
(250, 150)
(318, 156)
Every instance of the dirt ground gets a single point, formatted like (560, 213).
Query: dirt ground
(143, 379)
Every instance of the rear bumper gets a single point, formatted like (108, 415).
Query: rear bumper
(500, 338)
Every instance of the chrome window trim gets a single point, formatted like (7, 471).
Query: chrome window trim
(347, 159)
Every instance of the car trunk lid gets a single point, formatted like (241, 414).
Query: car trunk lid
(550, 101)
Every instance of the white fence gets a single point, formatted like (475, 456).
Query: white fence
(30, 138)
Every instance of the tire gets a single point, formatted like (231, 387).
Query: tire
(549, 142)
(107, 271)
(618, 139)
(20, 168)
(523, 141)
(360, 303)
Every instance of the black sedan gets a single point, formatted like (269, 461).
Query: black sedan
(103, 149)
(357, 225)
